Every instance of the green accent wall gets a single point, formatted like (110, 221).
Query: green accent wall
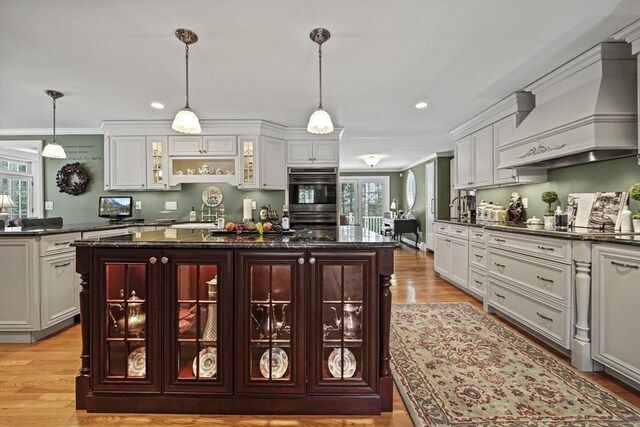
(609, 175)
(89, 151)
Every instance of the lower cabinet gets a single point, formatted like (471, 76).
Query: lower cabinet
(615, 310)
(232, 331)
(452, 259)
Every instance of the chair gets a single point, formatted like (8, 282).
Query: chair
(36, 222)
(1, 224)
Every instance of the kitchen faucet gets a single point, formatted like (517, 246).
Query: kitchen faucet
(208, 216)
(462, 207)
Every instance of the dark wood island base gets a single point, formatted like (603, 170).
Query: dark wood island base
(206, 324)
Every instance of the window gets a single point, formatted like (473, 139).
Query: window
(362, 201)
(21, 177)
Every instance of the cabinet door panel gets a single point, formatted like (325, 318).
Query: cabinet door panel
(342, 351)
(60, 287)
(463, 159)
(273, 168)
(483, 157)
(325, 152)
(125, 329)
(198, 340)
(185, 146)
(299, 152)
(459, 261)
(502, 132)
(270, 319)
(127, 162)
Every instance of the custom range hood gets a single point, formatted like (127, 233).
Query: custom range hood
(585, 111)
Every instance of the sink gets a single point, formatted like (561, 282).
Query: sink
(198, 225)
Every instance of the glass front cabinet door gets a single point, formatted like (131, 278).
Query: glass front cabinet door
(248, 176)
(270, 322)
(198, 331)
(126, 328)
(342, 353)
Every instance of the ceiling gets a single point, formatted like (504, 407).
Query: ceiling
(254, 60)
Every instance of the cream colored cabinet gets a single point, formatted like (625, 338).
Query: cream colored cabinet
(463, 156)
(207, 145)
(273, 168)
(127, 163)
(312, 152)
(615, 309)
(248, 162)
(474, 162)
(60, 285)
(452, 254)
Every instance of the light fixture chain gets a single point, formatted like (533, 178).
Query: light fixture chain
(54, 120)
(186, 57)
(320, 69)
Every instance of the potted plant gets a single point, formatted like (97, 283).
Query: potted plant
(634, 193)
(549, 197)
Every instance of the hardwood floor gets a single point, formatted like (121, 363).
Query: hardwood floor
(37, 380)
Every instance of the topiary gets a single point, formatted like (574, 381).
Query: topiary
(549, 197)
(634, 193)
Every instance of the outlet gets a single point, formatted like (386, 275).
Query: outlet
(171, 206)
(253, 205)
(525, 202)
(138, 204)
(48, 206)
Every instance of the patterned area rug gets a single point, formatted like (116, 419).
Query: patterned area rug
(454, 365)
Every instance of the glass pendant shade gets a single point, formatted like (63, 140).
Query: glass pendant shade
(372, 160)
(320, 122)
(186, 121)
(53, 150)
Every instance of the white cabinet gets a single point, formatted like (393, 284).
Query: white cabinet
(273, 168)
(248, 162)
(452, 254)
(60, 286)
(474, 162)
(312, 152)
(157, 163)
(615, 309)
(206, 145)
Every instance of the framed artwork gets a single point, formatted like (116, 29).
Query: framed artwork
(606, 208)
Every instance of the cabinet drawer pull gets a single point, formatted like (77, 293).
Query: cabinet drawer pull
(61, 243)
(544, 317)
(164, 260)
(499, 240)
(620, 264)
(63, 265)
(545, 280)
(479, 256)
(458, 231)
(544, 248)
(477, 234)
(153, 260)
(300, 260)
(499, 265)
(498, 295)
(478, 282)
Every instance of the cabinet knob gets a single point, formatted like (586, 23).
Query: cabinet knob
(153, 260)
(312, 260)
(164, 260)
(300, 260)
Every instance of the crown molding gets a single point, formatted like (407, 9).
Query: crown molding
(428, 158)
(630, 34)
(61, 131)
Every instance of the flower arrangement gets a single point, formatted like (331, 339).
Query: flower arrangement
(634, 193)
(549, 197)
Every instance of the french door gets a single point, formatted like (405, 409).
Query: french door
(363, 199)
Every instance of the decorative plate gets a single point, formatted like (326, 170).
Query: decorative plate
(337, 363)
(208, 363)
(137, 366)
(212, 196)
(279, 363)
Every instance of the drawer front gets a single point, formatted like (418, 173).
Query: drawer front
(442, 228)
(543, 247)
(57, 243)
(459, 231)
(477, 235)
(552, 322)
(551, 279)
(478, 255)
(477, 282)
(105, 233)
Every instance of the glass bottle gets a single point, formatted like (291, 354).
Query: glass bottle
(285, 217)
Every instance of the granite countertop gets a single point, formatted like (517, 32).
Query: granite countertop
(73, 228)
(354, 237)
(570, 234)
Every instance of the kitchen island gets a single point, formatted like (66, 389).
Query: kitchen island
(192, 321)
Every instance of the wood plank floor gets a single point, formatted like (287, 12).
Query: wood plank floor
(37, 380)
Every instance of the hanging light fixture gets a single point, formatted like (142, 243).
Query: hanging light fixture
(53, 150)
(372, 160)
(186, 120)
(320, 120)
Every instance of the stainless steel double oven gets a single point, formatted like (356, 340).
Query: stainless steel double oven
(313, 197)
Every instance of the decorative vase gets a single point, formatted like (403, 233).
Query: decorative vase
(625, 220)
(210, 332)
(636, 225)
(548, 222)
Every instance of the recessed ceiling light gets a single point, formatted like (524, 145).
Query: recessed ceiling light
(421, 105)
(157, 105)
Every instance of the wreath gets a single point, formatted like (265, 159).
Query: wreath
(72, 186)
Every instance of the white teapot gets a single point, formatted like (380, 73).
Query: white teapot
(205, 169)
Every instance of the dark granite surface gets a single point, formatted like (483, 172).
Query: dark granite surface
(354, 237)
(71, 228)
(570, 234)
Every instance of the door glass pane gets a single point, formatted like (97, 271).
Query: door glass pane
(248, 171)
(348, 202)
(372, 199)
(19, 189)
(157, 176)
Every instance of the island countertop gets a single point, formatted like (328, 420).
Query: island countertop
(73, 228)
(352, 237)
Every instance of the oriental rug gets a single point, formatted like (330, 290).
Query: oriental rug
(455, 365)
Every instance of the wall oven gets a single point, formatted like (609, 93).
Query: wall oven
(313, 196)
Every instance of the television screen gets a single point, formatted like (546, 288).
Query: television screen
(115, 207)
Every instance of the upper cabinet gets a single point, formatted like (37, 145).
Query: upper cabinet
(478, 140)
(207, 145)
(312, 152)
(273, 169)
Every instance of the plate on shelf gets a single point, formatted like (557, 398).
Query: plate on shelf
(337, 363)
(137, 366)
(212, 196)
(208, 363)
(279, 363)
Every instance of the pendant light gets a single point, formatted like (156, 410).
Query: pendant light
(320, 120)
(186, 120)
(53, 150)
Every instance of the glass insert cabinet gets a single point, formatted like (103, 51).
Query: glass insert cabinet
(233, 331)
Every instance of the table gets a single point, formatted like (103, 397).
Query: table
(397, 227)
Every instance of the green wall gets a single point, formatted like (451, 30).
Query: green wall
(610, 175)
(89, 151)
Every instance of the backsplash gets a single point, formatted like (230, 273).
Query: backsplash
(610, 175)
